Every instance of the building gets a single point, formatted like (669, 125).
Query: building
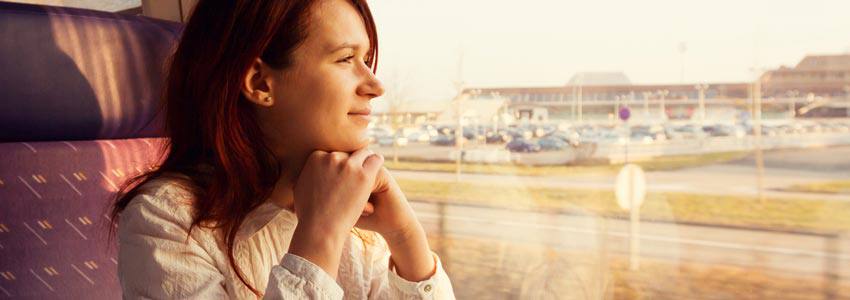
(820, 75)
(823, 80)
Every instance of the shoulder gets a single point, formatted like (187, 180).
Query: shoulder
(160, 204)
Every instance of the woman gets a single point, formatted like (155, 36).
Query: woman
(266, 107)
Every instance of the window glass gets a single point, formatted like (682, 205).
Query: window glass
(684, 150)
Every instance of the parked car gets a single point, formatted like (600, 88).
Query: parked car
(685, 132)
(497, 137)
(570, 137)
(443, 140)
(551, 143)
(522, 145)
(387, 141)
(640, 136)
(419, 136)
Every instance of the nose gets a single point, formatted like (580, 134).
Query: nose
(371, 86)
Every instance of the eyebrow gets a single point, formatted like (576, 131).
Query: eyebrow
(345, 45)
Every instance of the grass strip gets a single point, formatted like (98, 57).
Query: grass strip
(738, 211)
(664, 163)
(829, 187)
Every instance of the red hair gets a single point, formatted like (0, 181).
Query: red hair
(214, 137)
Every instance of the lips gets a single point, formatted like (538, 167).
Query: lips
(364, 111)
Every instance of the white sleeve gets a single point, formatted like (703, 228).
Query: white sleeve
(298, 278)
(385, 283)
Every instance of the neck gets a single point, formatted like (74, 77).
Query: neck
(283, 193)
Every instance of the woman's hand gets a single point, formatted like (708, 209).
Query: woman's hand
(331, 194)
(391, 216)
(388, 211)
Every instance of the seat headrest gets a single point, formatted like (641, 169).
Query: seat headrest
(76, 74)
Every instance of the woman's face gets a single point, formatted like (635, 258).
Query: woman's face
(321, 101)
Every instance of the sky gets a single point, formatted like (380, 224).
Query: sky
(545, 42)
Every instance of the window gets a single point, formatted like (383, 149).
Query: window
(128, 6)
(736, 207)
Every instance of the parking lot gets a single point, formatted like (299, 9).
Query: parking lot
(556, 145)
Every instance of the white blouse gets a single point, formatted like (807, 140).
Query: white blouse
(158, 260)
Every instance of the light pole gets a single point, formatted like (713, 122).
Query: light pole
(847, 100)
(792, 103)
(580, 82)
(616, 104)
(662, 94)
(756, 95)
(459, 134)
(461, 94)
(683, 47)
(701, 88)
(646, 96)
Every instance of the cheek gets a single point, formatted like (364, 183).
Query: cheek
(317, 111)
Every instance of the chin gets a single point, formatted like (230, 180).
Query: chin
(350, 146)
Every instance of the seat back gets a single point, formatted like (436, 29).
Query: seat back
(78, 97)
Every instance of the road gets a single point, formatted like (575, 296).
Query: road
(512, 248)
(775, 251)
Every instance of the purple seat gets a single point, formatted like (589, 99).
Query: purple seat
(78, 97)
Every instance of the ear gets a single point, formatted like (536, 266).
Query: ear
(256, 85)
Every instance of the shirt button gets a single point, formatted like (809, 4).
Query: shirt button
(427, 288)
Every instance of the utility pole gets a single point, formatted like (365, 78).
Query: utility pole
(460, 85)
(792, 103)
(580, 83)
(756, 94)
(646, 96)
(663, 94)
(683, 47)
(701, 88)
(847, 100)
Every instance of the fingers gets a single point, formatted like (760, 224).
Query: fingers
(368, 209)
(367, 159)
(373, 164)
(358, 157)
(381, 180)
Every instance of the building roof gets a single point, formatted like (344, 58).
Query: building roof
(839, 62)
(599, 78)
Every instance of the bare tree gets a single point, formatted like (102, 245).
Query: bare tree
(396, 95)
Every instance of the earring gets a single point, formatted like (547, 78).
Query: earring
(267, 99)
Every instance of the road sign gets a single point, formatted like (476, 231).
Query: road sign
(625, 113)
(631, 189)
(631, 186)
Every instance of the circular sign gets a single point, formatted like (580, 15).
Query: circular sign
(625, 113)
(631, 186)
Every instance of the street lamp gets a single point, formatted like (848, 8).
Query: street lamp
(701, 88)
(580, 100)
(662, 94)
(616, 104)
(846, 92)
(847, 99)
(759, 158)
(792, 97)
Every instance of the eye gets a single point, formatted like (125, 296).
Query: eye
(347, 59)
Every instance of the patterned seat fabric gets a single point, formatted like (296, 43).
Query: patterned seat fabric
(78, 95)
(53, 228)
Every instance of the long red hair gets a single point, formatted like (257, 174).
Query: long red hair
(214, 137)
